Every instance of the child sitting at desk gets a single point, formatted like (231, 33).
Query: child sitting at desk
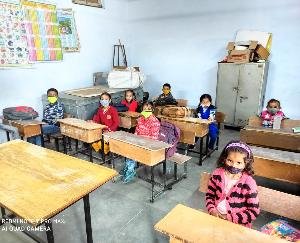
(106, 115)
(53, 111)
(232, 191)
(130, 101)
(147, 126)
(206, 110)
(273, 109)
(166, 98)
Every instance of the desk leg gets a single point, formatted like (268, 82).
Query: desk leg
(3, 212)
(88, 223)
(7, 136)
(76, 145)
(152, 184)
(201, 151)
(206, 148)
(42, 137)
(50, 236)
(65, 144)
(175, 172)
(91, 152)
(102, 150)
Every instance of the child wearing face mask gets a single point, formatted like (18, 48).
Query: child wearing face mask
(206, 110)
(232, 191)
(106, 115)
(147, 126)
(130, 101)
(273, 109)
(166, 98)
(53, 111)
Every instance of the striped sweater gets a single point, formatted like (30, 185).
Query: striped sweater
(241, 201)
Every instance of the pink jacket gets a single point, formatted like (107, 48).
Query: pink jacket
(267, 116)
(148, 127)
(241, 201)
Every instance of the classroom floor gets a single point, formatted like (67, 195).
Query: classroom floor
(123, 213)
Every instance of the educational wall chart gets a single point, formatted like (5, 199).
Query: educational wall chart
(68, 32)
(13, 46)
(43, 37)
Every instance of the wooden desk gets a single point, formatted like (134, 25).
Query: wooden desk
(190, 128)
(88, 132)
(184, 224)
(276, 164)
(39, 183)
(128, 119)
(144, 150)
(283, 138)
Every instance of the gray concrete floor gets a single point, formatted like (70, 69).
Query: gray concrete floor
(123, 213)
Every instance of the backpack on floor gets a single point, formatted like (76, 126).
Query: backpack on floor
(170, 134)
(20, 113)
(176, 111)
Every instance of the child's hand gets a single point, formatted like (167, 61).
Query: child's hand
(214, 213)
(223, 216)
(90, 121)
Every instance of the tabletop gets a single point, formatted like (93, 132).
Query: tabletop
(81, 123)
(38, 183)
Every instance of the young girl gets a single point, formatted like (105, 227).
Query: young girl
(108, 116)
(147, 126)
(130, 101)
(273, 109)
(206, 110)
(232, 192)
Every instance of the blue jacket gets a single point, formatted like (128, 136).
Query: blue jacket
(206, 114)
(53, 112)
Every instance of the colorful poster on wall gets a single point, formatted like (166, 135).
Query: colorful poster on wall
(43, 37)
(13, 43)
(67, 29)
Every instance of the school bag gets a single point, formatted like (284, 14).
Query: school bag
(20, 113)
(120, 107)
(170, 134)
(176, 111)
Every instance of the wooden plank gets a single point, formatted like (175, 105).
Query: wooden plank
(136, 140)
(256, 121)
(276, 164)
(26, 128)
(179, 158)
(39, 183)
(283, 204)
(187, 137)
(88, 132)
(191, 225)
(128, 119)
(281, 139)
(131, 151)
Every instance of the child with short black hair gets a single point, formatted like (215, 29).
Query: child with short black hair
(166, 98)
(232, 191)
(130, 101)
(206, 110)
(273, 109)
(106, 115)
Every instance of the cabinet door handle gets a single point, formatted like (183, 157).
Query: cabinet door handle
(235, 89)
(243, 98)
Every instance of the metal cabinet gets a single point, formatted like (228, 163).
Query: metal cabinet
(241, 91)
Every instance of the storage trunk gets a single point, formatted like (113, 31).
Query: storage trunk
(85, 107)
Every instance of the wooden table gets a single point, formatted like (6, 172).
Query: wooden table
(184, 224)
(39, 183)
(80, 130)
(190, 128)
(128, 119)
(276, 164)
(27, 128)
(147, 151)
(283, 138)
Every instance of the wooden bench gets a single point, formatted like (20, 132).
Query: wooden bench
(284, 138)
(276, 164)
(179, 159)
(272, 201)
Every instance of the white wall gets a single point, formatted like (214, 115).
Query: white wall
(98, 30)
(181, 41)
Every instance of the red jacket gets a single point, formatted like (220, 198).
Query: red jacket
(109, 118)
(148, 127)
(132, 106)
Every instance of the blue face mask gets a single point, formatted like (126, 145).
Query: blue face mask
(233, 170)
(104, 103)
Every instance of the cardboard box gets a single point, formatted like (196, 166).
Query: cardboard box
(263, 38)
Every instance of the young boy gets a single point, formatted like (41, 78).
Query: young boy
(166, 97)
(52, 112)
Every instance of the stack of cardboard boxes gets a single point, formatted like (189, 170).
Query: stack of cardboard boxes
(249, 46)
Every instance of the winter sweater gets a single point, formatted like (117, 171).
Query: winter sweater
(132, 106)
(269, 118)
(165, 100)
(109, 118)
(52, 112)
(148, 127)
(241, 201)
